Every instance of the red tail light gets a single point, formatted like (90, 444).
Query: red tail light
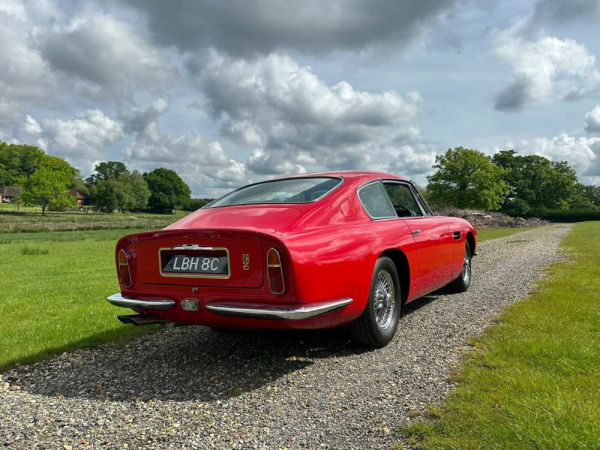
(123, 269)
(275, 270)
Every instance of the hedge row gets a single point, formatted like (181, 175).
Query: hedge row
(565, 216)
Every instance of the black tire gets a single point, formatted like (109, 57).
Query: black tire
(374, 327)
(462, 283)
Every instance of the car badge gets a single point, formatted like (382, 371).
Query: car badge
(191, 247)
(245, 261)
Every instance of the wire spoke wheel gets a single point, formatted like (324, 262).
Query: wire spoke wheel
(378, 323)
(466, 271)
(385, 299)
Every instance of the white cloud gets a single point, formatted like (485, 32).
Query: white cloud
(32, 126)
(293, 122)
(79, 140)
(592, 120)
(188, 149)
(545, 69)
(582, 153)
(202, 164)
(410, 160)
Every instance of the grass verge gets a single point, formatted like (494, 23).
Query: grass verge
(485, 234)
(52, 292)
(533, 379)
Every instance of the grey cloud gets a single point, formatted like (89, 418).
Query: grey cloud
(25, 75)
(104, 51)
(252, 27)
(139, 120)
(561, 11)
(514, 97)
(593, 170)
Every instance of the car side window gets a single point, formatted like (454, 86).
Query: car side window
(403, 200)
(375, 201)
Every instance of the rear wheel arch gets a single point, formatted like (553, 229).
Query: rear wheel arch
(403, 269)
(471, 241)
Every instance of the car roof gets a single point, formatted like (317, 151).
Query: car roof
(350, 174)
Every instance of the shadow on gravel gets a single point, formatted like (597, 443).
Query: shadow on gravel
(187, 363)
(419, 303)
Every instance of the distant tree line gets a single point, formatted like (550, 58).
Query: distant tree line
(508, 182)
(462, 177)
(49, 182)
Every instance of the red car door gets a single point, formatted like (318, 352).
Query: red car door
(431, 235)
(434, 250)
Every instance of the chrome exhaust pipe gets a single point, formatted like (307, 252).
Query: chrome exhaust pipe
(141, 319)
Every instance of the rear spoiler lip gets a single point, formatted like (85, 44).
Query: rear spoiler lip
(132, 238)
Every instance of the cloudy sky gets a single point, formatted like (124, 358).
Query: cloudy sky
(225, 92)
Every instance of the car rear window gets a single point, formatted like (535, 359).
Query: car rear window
(290, 190)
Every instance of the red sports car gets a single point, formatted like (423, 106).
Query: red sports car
(310, 251)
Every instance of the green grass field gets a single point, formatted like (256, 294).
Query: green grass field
(52, 292)
(28, 219)
(533, 380)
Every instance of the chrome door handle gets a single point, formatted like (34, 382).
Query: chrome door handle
(416, 232)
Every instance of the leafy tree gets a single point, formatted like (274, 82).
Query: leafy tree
(48, 187)
(140, 192)
(107, 170)
(466, 178)
(592, 193)
(18, 161)
(167, 190)
(6, 178)
(585, 198)
(79, 185)
(197, 203)
(535, 182)
(122, 193)
(106, 195)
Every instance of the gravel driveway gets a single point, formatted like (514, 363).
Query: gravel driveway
(191, 387)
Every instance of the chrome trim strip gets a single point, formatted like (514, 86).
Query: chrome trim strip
(192, 247)
(159, 304)
(285, 313)
(395, 216)
(272, 266)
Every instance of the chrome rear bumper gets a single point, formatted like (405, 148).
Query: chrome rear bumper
(158, 304)
(251, 311)
(279, 312)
